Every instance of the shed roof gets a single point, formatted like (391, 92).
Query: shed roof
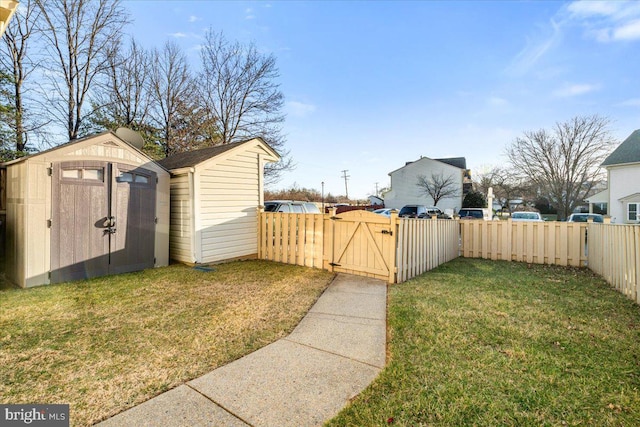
(192, 158)
(74, 142)
(627, 152)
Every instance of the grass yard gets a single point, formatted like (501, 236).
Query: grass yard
(106, 344)
(482, 343)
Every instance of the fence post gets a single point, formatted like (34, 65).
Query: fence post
(261, 232)
(393, 226)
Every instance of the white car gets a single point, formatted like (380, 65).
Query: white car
(385, 212)
(526, 216)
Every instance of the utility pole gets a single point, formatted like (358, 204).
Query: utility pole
(346, 178)
(377, 188)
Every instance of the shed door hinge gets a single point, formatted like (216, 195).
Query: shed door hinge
(155, 220)
(333, 264)
(49, 223)
(50, 171)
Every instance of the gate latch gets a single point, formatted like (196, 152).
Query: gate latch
(389, 232)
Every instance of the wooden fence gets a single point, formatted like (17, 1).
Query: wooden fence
(558, 243)
(425, 244)
(614, 254)
(362, 243)
(358, 242)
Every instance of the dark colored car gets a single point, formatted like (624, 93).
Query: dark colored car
(413, 211)
(473, 213)
(584, 217)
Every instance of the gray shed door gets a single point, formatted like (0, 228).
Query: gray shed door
(103, 219)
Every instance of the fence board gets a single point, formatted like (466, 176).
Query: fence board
(614, 252)
(534, 242)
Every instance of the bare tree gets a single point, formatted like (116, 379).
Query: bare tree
(124, 96)
(241, 95)
(507, 186)
(174, 100)
(19, 64)
(563, 162)
(80, 36)
(438, 186)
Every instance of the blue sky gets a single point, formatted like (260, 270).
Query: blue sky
(371, 85)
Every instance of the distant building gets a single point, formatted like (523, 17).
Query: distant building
(621, 200)
(404, 189)
(375, 200)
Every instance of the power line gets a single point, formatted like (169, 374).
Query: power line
(346, 178)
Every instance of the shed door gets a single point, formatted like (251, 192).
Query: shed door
(103, 219)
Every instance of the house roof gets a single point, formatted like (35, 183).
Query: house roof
(192, 158)
(635, 197)
(627, 152)
(459, 162)
(456, 162)
(601, 197)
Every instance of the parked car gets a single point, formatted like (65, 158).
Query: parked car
(386, 212)
(474, 213)
(290, 206)
(432, 210)
(584, 217)
(526, 216)
(413, 211)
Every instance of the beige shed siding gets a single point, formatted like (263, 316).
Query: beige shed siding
(229, 194)
(181, 222)
(29, 205)
(16, 214)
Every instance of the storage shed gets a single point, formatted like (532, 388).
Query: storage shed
(91, 207)
(215, 193)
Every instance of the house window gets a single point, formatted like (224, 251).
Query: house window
(632, 211)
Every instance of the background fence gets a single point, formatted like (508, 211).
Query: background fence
(557, 243)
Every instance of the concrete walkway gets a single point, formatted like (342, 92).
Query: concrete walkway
(301, 380)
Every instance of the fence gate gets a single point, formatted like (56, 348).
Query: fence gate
(362, 243)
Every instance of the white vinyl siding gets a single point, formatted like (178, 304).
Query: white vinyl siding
(181, 222)
(229, 194)
(404, 190)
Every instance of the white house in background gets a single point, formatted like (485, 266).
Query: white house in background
(404, 190)
(622, 197)
(215, 194)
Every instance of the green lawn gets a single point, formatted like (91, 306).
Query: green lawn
(106, 344)
(487, 343)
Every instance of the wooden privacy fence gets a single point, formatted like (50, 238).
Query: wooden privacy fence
(425, 244)
(358, 242)
(558, 243)
(614, 254)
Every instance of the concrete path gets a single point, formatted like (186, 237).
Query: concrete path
(301, 380)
